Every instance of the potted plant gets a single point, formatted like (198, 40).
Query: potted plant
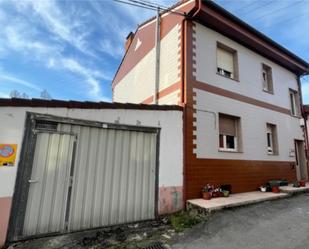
(302, 183)
(275, 188)
(217, 193)
(207, 191)
(226, 193)
(296, 184)
(263, 188)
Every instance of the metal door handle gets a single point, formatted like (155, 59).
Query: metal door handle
(32, 181)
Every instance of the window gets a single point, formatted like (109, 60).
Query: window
(267, 78)
(294, 102)
(229, 133)
(227, 61)
(271, 136)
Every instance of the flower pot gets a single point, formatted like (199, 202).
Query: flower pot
(302, 183)
(263, 189)
(206, 196)
(275, 189)
(216, 194)
(226, 193)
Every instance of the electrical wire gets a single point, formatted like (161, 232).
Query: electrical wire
(276, 10)
(132, 4)
(148, 5)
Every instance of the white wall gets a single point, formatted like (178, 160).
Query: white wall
(250, 69)
(253, 121)
(171, 151)
(139, 83)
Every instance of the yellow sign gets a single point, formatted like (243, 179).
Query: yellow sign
(7, 154)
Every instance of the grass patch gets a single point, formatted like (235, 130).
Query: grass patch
(183, 220)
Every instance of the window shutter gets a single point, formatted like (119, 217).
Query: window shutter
(225, 60)
(227, 125)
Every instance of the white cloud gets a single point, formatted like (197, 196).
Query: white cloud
(16, 80)
(92, 77)
(25, 36)
(61, 24)
(112, 49)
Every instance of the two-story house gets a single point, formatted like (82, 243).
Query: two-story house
(240, 91)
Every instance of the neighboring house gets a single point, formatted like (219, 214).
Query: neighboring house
(82, 165)
(240, 92)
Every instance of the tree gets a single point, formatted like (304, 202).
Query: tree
(45, 95)
(16, 94)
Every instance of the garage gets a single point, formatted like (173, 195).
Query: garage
(84, 165)
(82, 175)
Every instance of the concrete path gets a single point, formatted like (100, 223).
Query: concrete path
(279, 224)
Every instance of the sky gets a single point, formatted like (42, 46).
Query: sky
(72, 48)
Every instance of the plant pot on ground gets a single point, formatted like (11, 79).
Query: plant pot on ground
(226, 193)
(207, 191)
(275, 189)
(207, 195)
(296, 184)
(302, 183)
(263, 188)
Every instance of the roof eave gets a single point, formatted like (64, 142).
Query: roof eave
(217, 18)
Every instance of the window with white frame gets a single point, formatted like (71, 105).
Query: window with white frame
(228, 133)
(226, 61)
(272, 143)
(267, 78)
(294, 102)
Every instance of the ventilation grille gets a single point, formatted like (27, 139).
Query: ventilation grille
(46, 125)
(156, 245)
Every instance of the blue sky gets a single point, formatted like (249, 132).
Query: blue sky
(73, 48)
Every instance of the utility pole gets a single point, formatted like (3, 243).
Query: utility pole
(157, 69)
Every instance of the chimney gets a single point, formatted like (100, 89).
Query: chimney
(129, 40)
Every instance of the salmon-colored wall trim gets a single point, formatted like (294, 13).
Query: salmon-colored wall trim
(239, 97)
(5, 207)
(149, 100)
(166, 91)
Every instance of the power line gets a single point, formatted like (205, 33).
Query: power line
(267, 14)
(252, 4)
(150, 6)
(132, 4)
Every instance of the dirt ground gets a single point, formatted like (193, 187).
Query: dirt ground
(132, 236)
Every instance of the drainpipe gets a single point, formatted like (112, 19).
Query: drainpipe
(184, 80)
(158, 43)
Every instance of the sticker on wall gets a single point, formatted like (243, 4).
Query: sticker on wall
(7, 154)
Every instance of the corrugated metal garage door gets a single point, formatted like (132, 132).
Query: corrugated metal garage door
(49, 184)
(113, 180)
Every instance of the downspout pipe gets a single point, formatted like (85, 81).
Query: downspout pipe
(158, 46)
(184, 80)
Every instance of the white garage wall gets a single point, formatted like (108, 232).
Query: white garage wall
(170, 122)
